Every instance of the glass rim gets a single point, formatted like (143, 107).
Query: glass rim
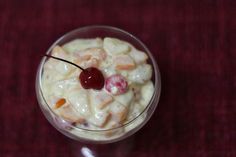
(157, 78)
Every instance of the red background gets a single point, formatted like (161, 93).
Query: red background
(192, 41)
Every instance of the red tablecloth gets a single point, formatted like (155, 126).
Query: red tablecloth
(194, 45)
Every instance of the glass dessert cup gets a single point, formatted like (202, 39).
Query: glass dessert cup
(92, 136)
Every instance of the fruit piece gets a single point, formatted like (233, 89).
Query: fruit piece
(107, 62)
(135, 110)
(99, 100)
(60, 102)
(116, 84)
(91, 78)
(70, 114)
(141, 74)
(124, 62)
(49, 71)
(100, 119)
(138, 56)
(115, 46)
(90, 57)
(56, 65)
(126, 98)
(118, 112)
(103, 99)
(78, 99)
(97, 53)
(63, 68)
(93, 62)
(60, 87)
(58, 51)
(147, 91)
(82, 44)
(108, 71)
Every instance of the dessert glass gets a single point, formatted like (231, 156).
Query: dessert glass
(131, 126)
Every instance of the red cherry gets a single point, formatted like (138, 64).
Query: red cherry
(116, 84)
(91, 78)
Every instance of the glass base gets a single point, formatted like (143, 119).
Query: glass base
(122, 148)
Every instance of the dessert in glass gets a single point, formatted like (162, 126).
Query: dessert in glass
(106, 91)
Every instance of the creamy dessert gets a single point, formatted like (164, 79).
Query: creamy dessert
(94, 105)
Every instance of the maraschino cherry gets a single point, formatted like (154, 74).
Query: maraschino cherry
(90, 78)
(116, 84)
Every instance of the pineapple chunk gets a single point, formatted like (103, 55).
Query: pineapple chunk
(82, 44)
(63, 68)
(100, 99)
(135, 110)
(108, 71)
(69, 113)
(90, 63)
(79, 100)
(124, 62)
(51, 75)
(147, 91)
(141, 74)
(60, 67)
(118, 112)
(126, 98)
(91, 57)
(58, 51)
(97, 53)
(138, 56)
(60, 87)
(100, 118)
(115, 46)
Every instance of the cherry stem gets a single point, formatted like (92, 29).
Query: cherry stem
(64, 61)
